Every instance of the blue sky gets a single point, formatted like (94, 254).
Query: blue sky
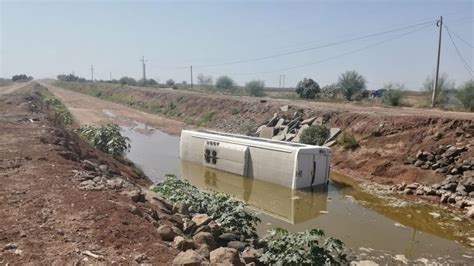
(46, 38)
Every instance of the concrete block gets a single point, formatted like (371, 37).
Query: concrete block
(266, 132)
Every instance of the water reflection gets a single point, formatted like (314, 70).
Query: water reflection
(292, 206)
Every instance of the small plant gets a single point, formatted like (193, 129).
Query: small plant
(206, 117)
(59, 109)
(444, 85)
(301, 248)
(106, 138)
(225, 83)
(393, 94)
(255, 88)
(232, 215)
(170, 83)
(347, 141)
(308, 89)
(315, 135)
(466, 95)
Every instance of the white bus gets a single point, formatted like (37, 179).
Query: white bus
(288, 164)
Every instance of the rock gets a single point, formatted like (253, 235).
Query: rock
(284, 108)
(227, 237)
(468, 184)
(204, 250)
(238, 245)
(419, 163)
(470, 212)
(190, 258)
(225, 256)
(201, 219)
(413, 186)
(461, 190)
(189, 227)
(68, 155)
(273, 120)
(137, 196)
(183, 244)
(250, 255)
(116, 183)
(410, 160)
(140, 258)
(281, 135)
(408, 191)
(103, 168)
(435, 214)
(266, 133)
(460, 204)
(215, 228)
(279, 123)
(309, 121)
(10, 246)
(166, 233)
(204, 238)
(298, 135)
(204, 228)
(182, 208)
(420, 155)
(429, 191)
(333, 132)
(87, 183)
(89, 166)
(450, 187)
(444, 198)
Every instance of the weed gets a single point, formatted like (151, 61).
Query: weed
(347, 141)
(315, 135)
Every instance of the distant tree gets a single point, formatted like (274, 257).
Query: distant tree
(225, 83)
(21, 77)
(69, 78)
(184, 82)
(308, 89)
(128, 81)
(393, 94)
(466, 95)
(170, 83)
(204, 80)
(444, 85)
(330, 91)
(352, 83)
(255, 88)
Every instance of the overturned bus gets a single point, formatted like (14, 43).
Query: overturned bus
(288, 164)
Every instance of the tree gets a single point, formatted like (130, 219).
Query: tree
(308, 89)
(255, 88)
(128, 81)
(330, 91)
(315, 135)
(351, 83)
(444, 85)
(170, 83)
(69, 78)
(225, 83)
(204, 80)
(21, 77)
(393, 94)
(466, 95)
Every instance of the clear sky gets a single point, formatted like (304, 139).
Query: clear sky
(46, 38)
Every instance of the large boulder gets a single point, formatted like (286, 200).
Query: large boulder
(225, 256)
(205, 238)
(166, 232)
(189, 258)
(239, 245)
(201, 219)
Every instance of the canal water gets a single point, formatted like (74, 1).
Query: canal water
(363, 221)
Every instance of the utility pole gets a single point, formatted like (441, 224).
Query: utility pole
(92, 73)
(283, 83)
(191, 77)
(143, 63)
(110, 76)
(279, 81)
(439, 23)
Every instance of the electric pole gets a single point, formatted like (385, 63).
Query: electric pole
(92, 73)
(279, 81)
(143, 63)
(191, 77)
(283, 83)
(110, 76)
(439, 23)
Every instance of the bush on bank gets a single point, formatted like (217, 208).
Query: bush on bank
(106, 138)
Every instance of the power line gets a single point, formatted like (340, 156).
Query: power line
(315, 48)
(465, 63)
(333, 57)
(464, 41)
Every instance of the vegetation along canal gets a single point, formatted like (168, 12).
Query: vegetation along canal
(363, 221)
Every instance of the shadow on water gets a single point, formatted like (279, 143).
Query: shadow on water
(341, 209)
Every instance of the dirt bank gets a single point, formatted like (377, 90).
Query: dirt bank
(49, 215)
(387, 136)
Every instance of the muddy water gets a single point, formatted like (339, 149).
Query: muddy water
(342, 209)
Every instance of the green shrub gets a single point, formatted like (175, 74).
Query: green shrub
(59, 108)
(255, 88)
(444, 85)
(106, 138)
(308, 89)
(347, 141)
(170, 83)
(351, 83)
(315, 135)
(225, 83)
(128, 81)
(301, 248)
(330, 91)
(393, 94)
(206, 117)
(232, 215)
(466, 95)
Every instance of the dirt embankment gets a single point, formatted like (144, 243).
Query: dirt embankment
(64, 202)
(387, 136)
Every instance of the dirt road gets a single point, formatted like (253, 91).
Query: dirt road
(12, 88)
(89, 110)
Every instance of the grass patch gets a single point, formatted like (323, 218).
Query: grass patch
(206, 117)
(347, 141)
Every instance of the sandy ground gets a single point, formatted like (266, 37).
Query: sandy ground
(13, 88)
(89, 110)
